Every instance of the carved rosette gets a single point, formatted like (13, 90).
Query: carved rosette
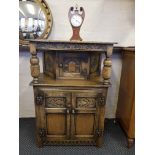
(39, 99)
(101, 101)
(34, 61)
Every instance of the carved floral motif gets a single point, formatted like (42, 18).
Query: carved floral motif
(101, 101)
(56, 102)
(39, 99)
(86, 102)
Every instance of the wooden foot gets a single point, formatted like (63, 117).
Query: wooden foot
(99, 142)
(130, 142)
(39, 142)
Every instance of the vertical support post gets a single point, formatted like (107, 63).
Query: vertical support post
(107, 65)
(39, 100)
(101, 112)
(34, 61)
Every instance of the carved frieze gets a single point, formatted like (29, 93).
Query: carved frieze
(56, 102)
(86, 102)
(72, 45)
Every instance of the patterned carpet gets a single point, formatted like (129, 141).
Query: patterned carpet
(114, 142)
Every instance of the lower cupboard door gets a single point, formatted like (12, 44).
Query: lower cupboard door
(57, 116)
(84, 116)
(56, 124)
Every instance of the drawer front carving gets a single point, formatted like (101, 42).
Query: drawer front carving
(56, 102)
(57, 99)
(86, 102)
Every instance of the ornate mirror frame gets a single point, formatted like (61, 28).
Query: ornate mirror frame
(49, 21)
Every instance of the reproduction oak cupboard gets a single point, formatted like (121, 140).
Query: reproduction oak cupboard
(70, 94)
(126, 101)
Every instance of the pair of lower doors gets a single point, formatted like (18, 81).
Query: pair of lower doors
(69, 117)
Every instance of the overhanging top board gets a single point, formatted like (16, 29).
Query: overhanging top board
(71, 45)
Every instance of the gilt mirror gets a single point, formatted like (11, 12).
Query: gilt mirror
(35, 20)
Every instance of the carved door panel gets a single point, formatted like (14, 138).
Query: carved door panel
(73, 66)
(57, 109)
(84, 115)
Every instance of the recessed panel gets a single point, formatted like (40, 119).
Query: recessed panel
(56, 124)
(49, 64)
(84, 124)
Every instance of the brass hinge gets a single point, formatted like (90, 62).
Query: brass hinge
(42, 134)
(99, 132)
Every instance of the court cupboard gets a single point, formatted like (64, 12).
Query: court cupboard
(70, 94)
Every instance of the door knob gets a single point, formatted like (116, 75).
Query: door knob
(73, 111)
(68, 111)
(60, 65)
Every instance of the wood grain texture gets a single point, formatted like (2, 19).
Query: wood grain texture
(35, 68)
(126, 100)
(70, 110)
(76, 46)
(56, 124)
(84, 124)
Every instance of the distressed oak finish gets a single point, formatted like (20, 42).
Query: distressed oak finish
(126, 100)
(70, 94)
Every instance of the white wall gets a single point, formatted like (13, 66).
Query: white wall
(105, 20)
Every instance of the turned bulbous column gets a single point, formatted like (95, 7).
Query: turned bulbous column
(34, 61)
(107, 64)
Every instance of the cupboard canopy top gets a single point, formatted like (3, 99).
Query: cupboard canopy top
(55, 45)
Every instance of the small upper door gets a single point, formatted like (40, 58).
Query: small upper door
(72, 66)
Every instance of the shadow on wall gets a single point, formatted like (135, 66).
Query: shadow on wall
(112, 96)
